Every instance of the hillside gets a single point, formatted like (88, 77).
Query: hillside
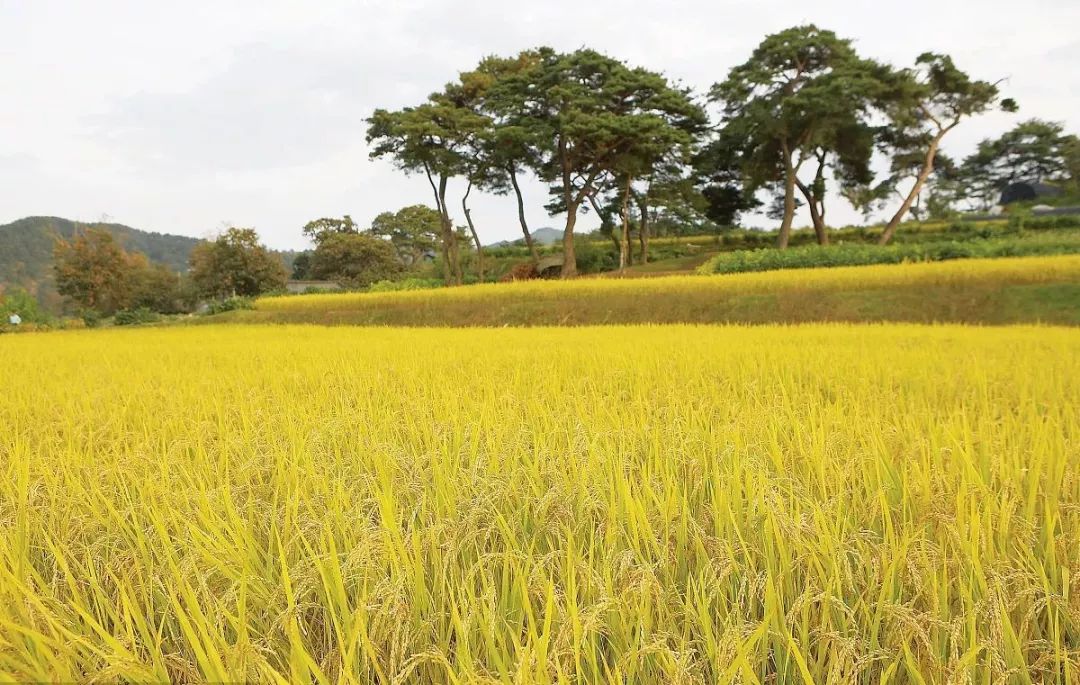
(26, 251)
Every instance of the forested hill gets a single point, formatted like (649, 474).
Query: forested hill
(26, 251)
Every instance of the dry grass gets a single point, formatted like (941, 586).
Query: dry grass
(626, 504)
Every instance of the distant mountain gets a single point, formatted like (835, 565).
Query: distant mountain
(541, 236)
(26, 249)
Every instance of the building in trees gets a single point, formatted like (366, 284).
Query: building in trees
(1025, 191)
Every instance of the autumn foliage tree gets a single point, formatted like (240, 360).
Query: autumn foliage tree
(95, 273)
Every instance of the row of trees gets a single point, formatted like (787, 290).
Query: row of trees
(99, 277)
(803, 111)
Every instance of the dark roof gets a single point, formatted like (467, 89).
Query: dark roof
(1028, 190)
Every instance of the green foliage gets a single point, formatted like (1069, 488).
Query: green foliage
(1018, 219)
(91, 318)
(159, 289)
(588, 117)
(814, 256)
(316, 229)
(18, 301)
(355, 260)
(230, 304)
(435, 139)
(923, 105)
(136, 317)
(405, 284)
(1033, 151)
(413, 231)
(803, 94)
(236, 264)
(301, 267)
(593, 258)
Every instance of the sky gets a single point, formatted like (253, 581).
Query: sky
(184, 117)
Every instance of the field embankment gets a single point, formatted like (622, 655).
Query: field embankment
(650, 504)
(995, 291)
(855, 254)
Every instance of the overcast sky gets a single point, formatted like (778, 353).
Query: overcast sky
(179, 117)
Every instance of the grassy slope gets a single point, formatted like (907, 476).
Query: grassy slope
(1000, 291)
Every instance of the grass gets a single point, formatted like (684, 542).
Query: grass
(641, 505)
(970, 291)
(854, 254)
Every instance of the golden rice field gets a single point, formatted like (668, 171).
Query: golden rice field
(1031, 269)
(816, 504)
(999, 291)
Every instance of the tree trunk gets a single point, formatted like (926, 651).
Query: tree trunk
(928, 167)
(444, 245)
(450, 244)
(816, 213)
(605, 223)
(643, 229)
(472, 230)
(521, 217)
(624, 242)
(569, 267)
(789, 199)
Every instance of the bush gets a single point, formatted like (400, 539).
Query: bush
(595, 257)
(135, 317)
(230, 305)
(18, 301)
(90, 318)
(815, 256)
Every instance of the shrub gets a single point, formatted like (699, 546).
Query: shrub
(860, 254)
(135, 317)
(594, 258)
(90, 318)
(18, 301)
(230, 305)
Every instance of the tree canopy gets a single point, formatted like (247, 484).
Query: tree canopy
(804, 95)
(354, 260)
(924, 104)
(236, 264)
(1035, 151)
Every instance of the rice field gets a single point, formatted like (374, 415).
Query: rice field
(997, 291)
(672, 504)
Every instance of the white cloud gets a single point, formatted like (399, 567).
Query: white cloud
(174, 117)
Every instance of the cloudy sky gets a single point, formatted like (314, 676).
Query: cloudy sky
(180, 117)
